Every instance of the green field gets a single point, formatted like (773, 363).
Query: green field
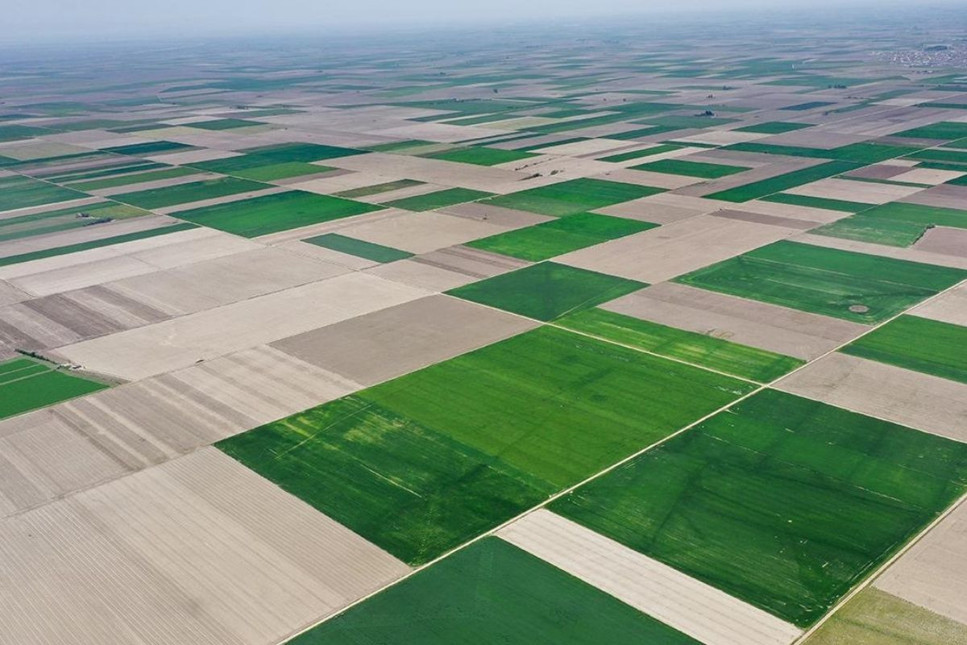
(781, 501)
(134, 178)
(874, 617)
(148, 148)
(826, 281)
(24, 192)
(274, 213)
(493, 592)
(942, 131)
(126, 166)
(359, 248)
(424, 462)
(942, 155)
(568, 233)
(17, 132)
(480, 155)
(928, 346)
(547, 290)
(777, 184)
(438, 199)
(637, 154)
(65, 219)
(817, 202)
(224, 124)
(690, 168)
(774, 127)
(799, 107)
(572, 197)
(863, 153)
(895, 224)
(260, 168)
(304, 152)
(690, 347)
(195, 191)
(26, 384)
(376, 189)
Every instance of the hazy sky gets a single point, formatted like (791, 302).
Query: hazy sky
(30, 20)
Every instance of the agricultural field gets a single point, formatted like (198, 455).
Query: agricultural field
(273, 213)
(639, 330)
(502, 595)
(27, 384)
(424, 462)
(853, 286)
(815, 496)
(547, 290)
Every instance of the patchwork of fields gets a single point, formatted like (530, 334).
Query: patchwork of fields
(558, 337)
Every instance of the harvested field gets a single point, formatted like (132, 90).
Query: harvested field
(547, 290)
(425, 462)
(853, 286)
(420, 232)
(697, 349)
(950, 307)
(274, 213)
(507, 595)
(921, 401)
(692, 607)
(385, 344)
(196, 550)
(783, 502)
(438, 199)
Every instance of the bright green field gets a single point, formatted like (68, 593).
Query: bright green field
(24, 192)
(698, 349)
(862, 153)
(817, 202)
(774, 127)
(690, 168)
(780, 183)
(568, 233)
(781, 501)
(928, 346)
(941, 154)
(493, 592)
(547, 290)
(274, 213)
(438, 199)
(187, 193)
(27, 385)
(637, 154)
(826, 281)
(572, 197)
(895, 224)
(427, 461)
(260, 168)
(874, 617)
(480, 155)
(359, 248)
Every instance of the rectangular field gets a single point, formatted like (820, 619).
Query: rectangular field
(260, 167)
(500, 594)
(438, 199)
(697, 349)
(919, 344)
(429, 460)
(853, 286)
(359, 248)
(894, 224)
(766, 187)
(690, 168)
(26, 384)
(571, 197)
(187, 193)
(783, 502)
(480, 155)
(24, 192)
(547, 290)
(274, 213)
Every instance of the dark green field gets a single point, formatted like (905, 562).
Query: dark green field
(690, 168)
(304, 152)
(783, 502)
(359, 248)
(758, 189)
(920, 344)
(65, 219)
(826, 281)
(438, 199)
(148, 148)
(547, 290)
(376, 189)
(493, 592)
(24, 192)
(274, 213)
(26, 384)
(565, 234)
(187, 193)
(942, 131)
(572, 197)
(895, 224)
(774, 127)
(637, 154)
(480, 156)
(863, 153)
(422, 463)
(224, 124)
(134, 178)
(698, 349)
(817, 202)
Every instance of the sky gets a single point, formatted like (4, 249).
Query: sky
(44, 20)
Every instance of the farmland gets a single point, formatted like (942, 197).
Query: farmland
(27, 385)
(572, 197)
(186, 193)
